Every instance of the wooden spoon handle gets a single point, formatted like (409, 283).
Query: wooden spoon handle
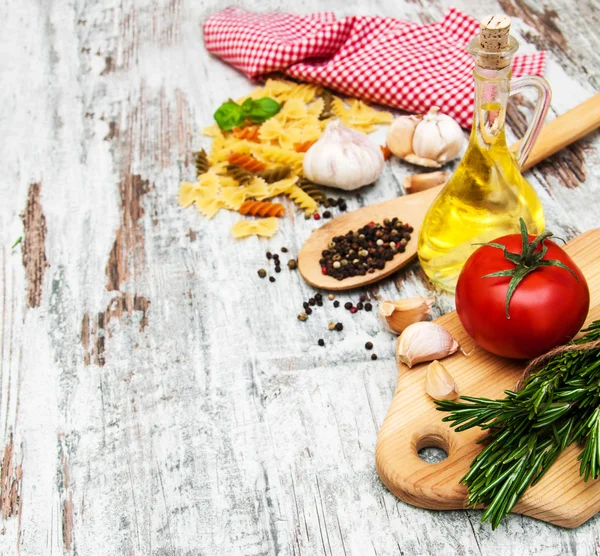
(564, 130)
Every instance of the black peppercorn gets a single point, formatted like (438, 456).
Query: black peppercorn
(336, 303)
(284, 250)
(319, 296)
(262, 272)
(312, 301)
(319, 303)
(373, 356)
(269, 255)
(368, 306)
(359, 306)
(321, 342)
(271, 279)
(339, 326)
(368, 345)
(308, 311)
(327, 214)
(277, 269)
(348, 305)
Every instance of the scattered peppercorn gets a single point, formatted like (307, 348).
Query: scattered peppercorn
(317, 216)
(308, 311)
(321, 342)
(331, 326)
(318, 296)
(368, 307)
(353, 310)
(342, 206)
(312, 301)
(262, 272)
(302, 316)
(327, 214)
(359, 306)
(348, 305)
(269, 255)
(305, 305)
(368, 345)
(332, 202)
(292, 264)
(284, 250)
(306, 216)
(336, 304)
(319, 303)
(271, 279)
(331, 297)
(276, 257)
(339, 327)
(363, 298)
(277, 269)
(373, 356)
(364, 250)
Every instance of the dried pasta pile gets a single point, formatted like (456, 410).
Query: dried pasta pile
(250, 165)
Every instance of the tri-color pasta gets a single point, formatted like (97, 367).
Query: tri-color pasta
(262, 208)
(255, 162)
(201, 162)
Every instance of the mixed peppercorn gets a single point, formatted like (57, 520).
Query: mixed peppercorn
(365, 250)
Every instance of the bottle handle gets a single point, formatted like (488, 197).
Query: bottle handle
(539, 114)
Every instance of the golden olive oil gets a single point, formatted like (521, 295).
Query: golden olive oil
(483, 200)
(487, 195)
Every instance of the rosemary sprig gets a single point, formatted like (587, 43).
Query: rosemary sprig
(558, 404)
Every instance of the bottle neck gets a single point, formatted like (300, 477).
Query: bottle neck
(492, 88)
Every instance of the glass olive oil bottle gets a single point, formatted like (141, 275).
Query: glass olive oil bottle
(486, 195)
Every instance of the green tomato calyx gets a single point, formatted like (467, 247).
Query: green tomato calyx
(526, 261)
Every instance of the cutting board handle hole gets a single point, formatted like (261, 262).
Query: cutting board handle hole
(433, 446)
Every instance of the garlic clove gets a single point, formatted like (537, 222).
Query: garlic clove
(420, 182)
(400, 135)
(438, 137)
(420, 161)
(424, 341)
(439, 383)
(343, 158)
(397, 315)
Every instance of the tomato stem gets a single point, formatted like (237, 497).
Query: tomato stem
(526, 261)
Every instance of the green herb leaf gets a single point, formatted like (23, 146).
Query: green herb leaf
(263, 109)
(247, 105)
(229, 115)
(19, 240)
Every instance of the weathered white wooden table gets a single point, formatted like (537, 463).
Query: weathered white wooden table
(156, 396)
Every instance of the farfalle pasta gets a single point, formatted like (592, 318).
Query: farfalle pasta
(250, 165)
(264, 227)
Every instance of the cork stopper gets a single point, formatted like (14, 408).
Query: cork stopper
(495, 42)
(494, 32)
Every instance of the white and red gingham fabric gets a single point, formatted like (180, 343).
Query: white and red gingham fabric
(392, 62)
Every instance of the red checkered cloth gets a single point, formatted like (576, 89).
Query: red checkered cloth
(392, 62)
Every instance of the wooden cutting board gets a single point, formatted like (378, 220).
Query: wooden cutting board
(413, 423)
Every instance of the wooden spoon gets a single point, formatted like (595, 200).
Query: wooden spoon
(555, 135)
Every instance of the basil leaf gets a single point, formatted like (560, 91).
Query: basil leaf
(247, 105)
(263, 109)
(229, 115)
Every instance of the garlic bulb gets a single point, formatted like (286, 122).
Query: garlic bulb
(397, 315)
(343, 158)
(439, 383)
(424, 341)
(427, 140)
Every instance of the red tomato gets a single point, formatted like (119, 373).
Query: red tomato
(548, 307)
